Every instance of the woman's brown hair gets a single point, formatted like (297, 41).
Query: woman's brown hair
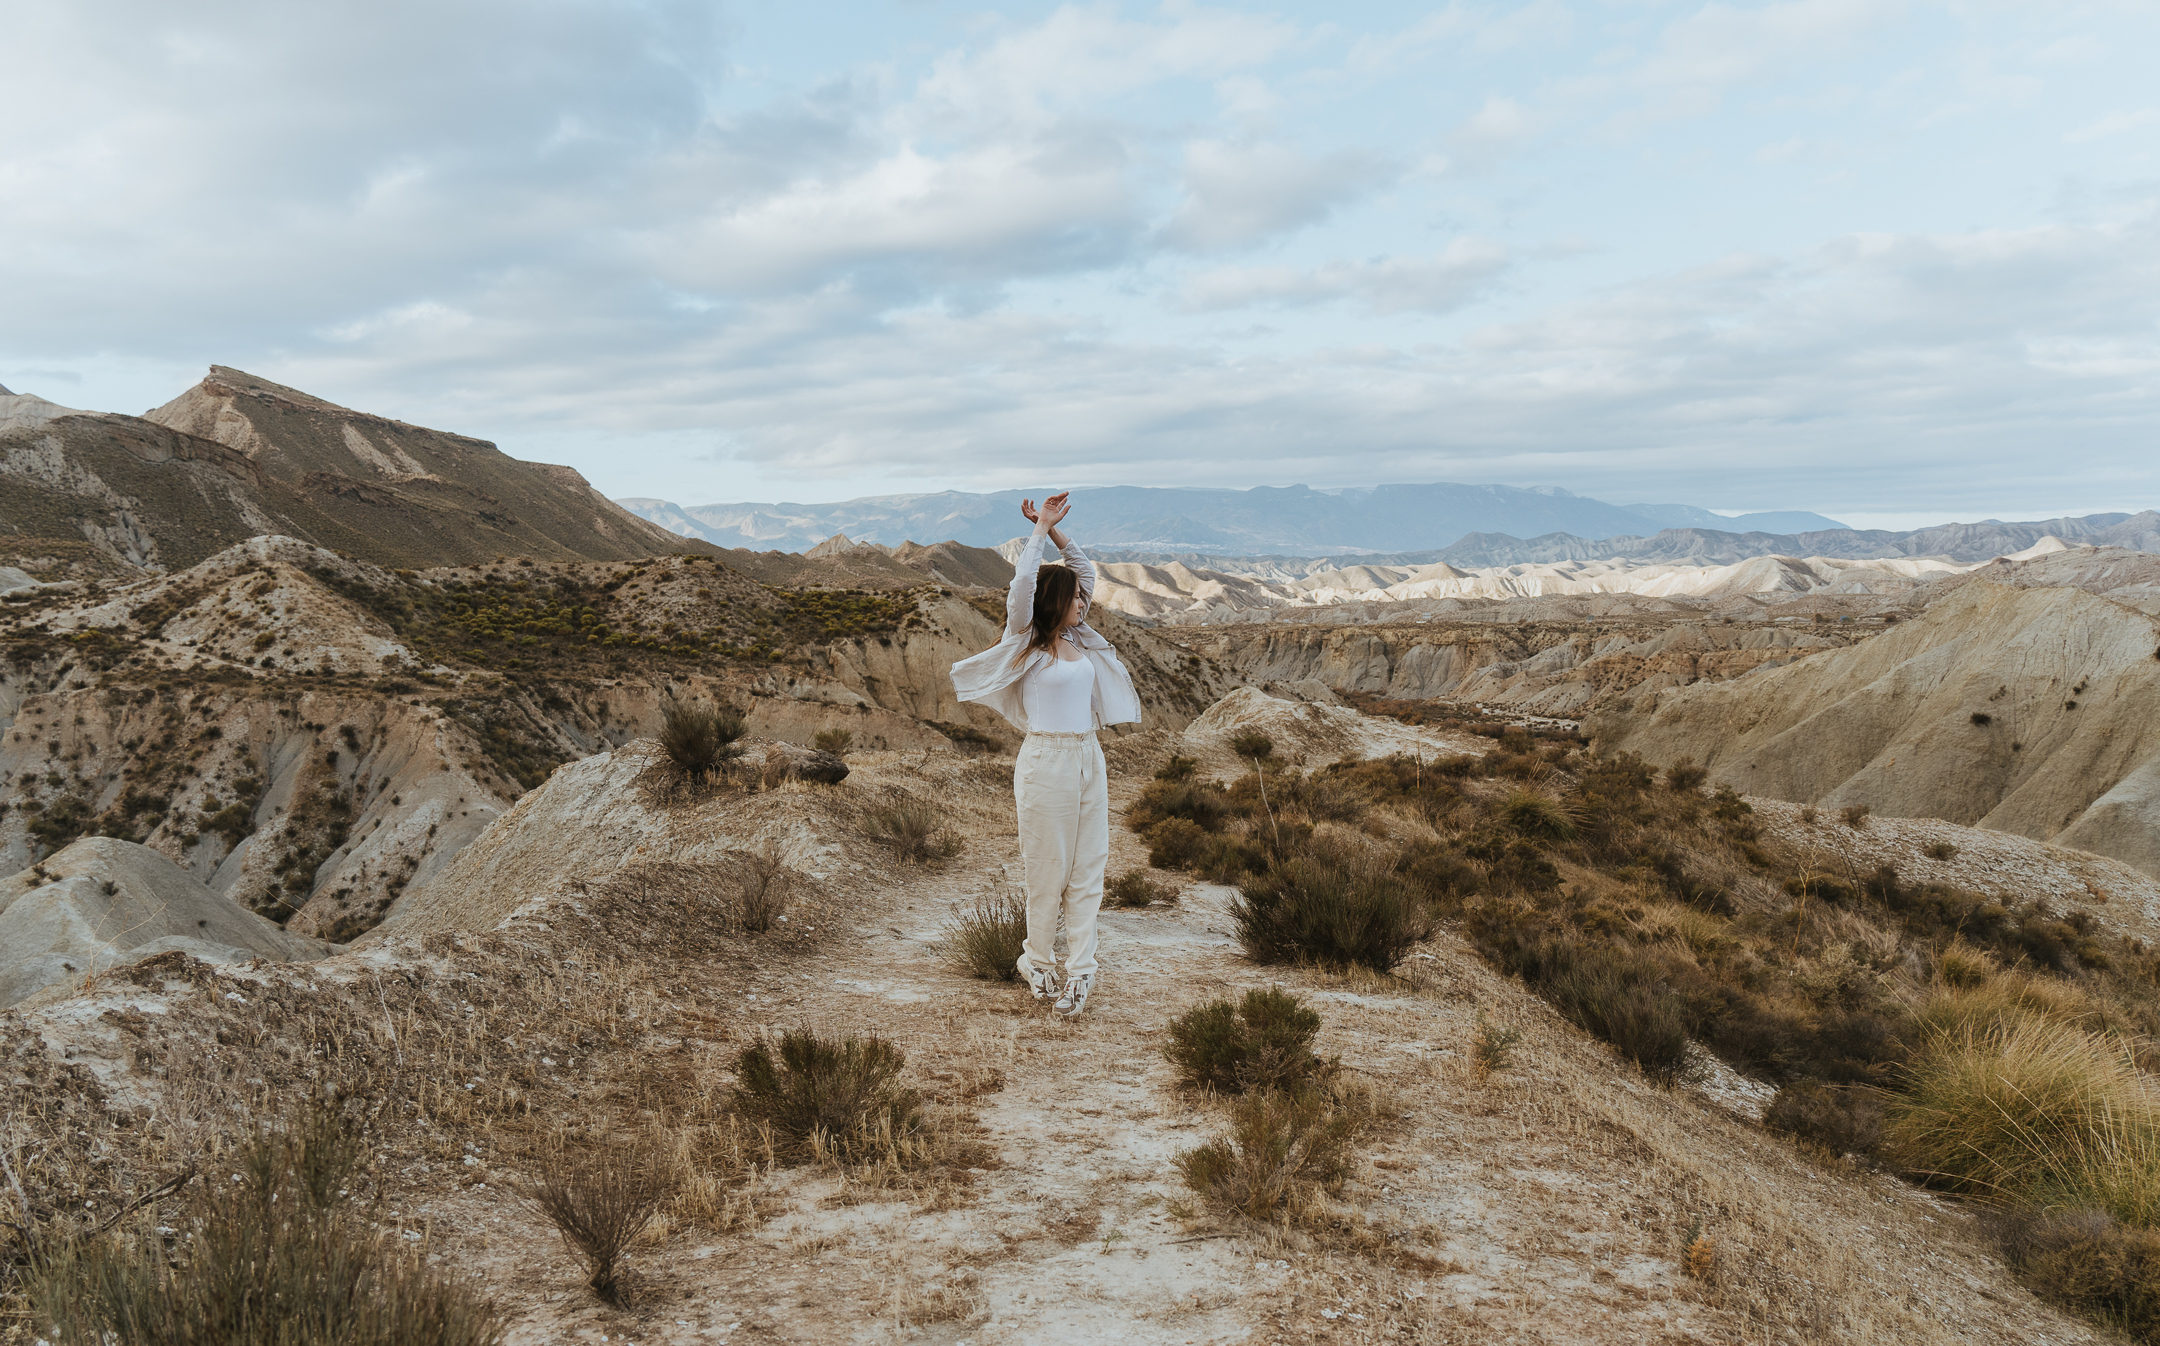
(1055, 586)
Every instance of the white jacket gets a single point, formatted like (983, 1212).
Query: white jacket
(993, 677)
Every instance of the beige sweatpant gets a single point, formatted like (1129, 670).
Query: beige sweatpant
(1063, 795)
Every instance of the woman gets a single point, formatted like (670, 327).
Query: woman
(1058, 681)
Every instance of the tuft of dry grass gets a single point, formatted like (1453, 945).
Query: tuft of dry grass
(274, 1256)
(1137, 888)
(2032, 1112)
(699, 737)
(837, 1098)
(914, 828)
(1284, 1151)
(600, 1198)
(983, 940)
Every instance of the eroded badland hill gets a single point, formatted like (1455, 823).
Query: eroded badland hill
(364, 907)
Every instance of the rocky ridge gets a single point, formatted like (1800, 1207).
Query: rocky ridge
(236, 456)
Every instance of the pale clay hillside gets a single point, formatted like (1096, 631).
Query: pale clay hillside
(1652, 915)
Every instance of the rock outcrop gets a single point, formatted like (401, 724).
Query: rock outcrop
(102, 903)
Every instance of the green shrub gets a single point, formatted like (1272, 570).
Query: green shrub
(1283, 1149)
(1491, 1046)
(984, 940)
(1252, 743)
(1261, 1042)
(276, 1258)
(838, 742)
(1137, 888)
(1644, 1020)
(1175, 843)
(700, 738)
(1684, 776)
(1199, 802)
(1177, 768)
(818, 1095)
(1333, 910)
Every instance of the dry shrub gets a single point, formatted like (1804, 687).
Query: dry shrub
(1174, 843)
(1137, 888)
(1261, 1042)
(2085, 1261)
(1939, 850)
(1685, 775)
(1332, 908)
(912, 827)
(273, 1255)
(1283, 1151)
(1854, 815)
(699, 737)
(760, 889)
(1643, 1019)
(839, 1097)
(984, 939)
(2032, 1112)
(1843, 1119)
(600, 1198)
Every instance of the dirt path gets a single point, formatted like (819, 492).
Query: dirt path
(1549, 1204)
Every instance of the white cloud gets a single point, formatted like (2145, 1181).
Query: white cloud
(2114, 124)
(1437, 284)
(990, 213)
(1237, 194)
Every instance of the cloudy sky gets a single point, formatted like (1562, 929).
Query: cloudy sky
(1891, 261)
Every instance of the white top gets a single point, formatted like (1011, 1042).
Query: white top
(993, 677)
(1059, 696)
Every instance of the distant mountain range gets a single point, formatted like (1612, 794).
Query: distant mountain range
(1288, 520)
(1964, 542)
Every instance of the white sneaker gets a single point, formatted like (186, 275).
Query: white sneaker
(1073, 997)
(1041, 984)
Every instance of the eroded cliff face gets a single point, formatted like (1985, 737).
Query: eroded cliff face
(1534, 668)
(309, 735)
(312, 808)
(2028, 710)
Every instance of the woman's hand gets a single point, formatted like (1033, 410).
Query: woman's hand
(1054, 509)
